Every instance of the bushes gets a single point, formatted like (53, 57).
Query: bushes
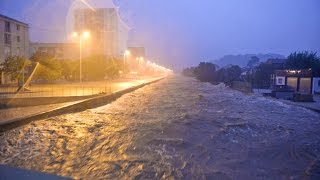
(207, 72)
(304, 60)
(94, 68)
(13, 66)
(49, 69)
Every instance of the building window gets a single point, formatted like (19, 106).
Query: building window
(7, 51)
(18, 39)
(7, 38)
(280, 80)
(7, 26)
(18, 51)
(18, 27)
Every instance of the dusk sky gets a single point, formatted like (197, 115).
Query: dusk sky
(184, 32)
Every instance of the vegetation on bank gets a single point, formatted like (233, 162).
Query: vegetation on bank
(50, 69)
(256, 72)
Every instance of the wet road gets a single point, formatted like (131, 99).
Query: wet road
(177, 128)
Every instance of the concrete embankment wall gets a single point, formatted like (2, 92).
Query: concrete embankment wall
(77, 107)
(242, 86)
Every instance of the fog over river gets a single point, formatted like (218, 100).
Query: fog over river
(177, 128)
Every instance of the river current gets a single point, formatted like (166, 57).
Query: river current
(178, 128)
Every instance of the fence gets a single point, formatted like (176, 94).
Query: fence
(54, 91)
(242, 86)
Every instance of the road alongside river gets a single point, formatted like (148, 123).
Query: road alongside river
(176, 128)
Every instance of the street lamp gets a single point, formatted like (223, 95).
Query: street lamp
(126, 53)
(83, 35)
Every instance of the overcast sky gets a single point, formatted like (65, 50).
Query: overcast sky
(184, 32)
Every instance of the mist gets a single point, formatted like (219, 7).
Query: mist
(184, 32)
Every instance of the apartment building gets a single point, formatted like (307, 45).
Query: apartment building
(108, 34)
(61, 51)
(14, 41)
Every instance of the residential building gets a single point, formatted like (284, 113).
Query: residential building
(14, 41)
(108, 33)
(137, 52)
(296, 80)
(58, 50)
(316, 85)
(293, 84)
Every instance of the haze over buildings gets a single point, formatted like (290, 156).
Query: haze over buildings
(184, 32)
(108, 34)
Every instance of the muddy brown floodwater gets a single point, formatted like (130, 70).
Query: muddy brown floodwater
(178, 128)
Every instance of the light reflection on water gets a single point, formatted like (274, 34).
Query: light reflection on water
(176, 128)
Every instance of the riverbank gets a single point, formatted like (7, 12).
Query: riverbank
(313, 106)
(13, 117)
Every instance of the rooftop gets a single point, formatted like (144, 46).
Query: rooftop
(11, 19)
(294, 72)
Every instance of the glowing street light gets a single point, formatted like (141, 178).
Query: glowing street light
(126, 53)
(86, 34)
(83, 35)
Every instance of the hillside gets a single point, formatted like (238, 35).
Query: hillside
(242, 60)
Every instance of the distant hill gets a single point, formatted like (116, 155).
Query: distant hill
(242, 60)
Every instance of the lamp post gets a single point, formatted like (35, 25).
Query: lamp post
(83, 35)
(126, 53)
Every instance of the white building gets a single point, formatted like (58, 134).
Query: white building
(109, 34)
(316, 85)
(14, 41)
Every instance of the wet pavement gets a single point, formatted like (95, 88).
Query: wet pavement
(177, 128)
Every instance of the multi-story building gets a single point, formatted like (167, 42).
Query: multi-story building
(108, 33)
(137, 52)
(14, 40)
(61, 51)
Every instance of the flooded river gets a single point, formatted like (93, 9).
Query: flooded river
(177, 128)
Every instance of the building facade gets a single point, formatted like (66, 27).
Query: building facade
(60, 51)
(108, 34)
(14, 41)
(137, 52)
(316, 85)
(296, 80)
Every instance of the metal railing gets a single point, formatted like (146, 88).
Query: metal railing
(54, 91)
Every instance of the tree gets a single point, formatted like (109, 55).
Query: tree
(70, 69)
(189, 72)
(232, 73)
(94, 68)
(14, 66)
(228, 74)
(205, 72)
(304, 60)
(262, 75)
(113, 67)
(253, 62)
(49, 69)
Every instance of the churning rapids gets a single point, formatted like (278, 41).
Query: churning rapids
(177, 128)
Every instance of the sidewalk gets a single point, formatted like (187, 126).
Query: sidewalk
(16, 114)
(71, 89)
